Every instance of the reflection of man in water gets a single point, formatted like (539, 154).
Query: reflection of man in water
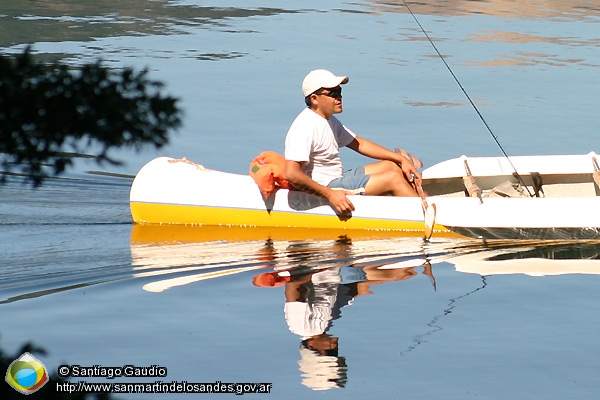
(312, 302)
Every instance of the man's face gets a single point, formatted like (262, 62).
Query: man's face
(328, 101)
(322, 343)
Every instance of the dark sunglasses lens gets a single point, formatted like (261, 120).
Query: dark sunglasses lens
(334, 93)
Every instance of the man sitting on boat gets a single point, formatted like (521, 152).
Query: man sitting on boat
(312, 151)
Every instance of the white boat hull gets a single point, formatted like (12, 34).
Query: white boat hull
(170, 191)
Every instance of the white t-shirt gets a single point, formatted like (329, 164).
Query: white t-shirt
(313, 317)
(316, 141)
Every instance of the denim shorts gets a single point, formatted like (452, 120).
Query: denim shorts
(353, 179)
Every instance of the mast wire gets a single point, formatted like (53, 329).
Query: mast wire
(469, 98)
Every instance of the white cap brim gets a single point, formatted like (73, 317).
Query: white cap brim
(321, 78)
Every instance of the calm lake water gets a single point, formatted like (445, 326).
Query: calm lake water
(451, 319)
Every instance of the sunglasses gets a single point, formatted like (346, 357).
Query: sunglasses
(335, 93)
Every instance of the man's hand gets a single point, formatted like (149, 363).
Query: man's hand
(408, 169)
(336, 198)
(340, 202)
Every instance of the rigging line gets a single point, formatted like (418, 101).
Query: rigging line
(469, 98)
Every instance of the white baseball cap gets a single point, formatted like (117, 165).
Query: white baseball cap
(321, 78)
(322, 372)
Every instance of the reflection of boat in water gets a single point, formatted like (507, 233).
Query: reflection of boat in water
(172, 256)
(535, 259)
(179, 255)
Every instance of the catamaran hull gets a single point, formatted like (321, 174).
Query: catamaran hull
(522, 218)
(171, 191)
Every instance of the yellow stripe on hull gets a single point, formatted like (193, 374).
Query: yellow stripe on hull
(153, 213)
(152, 233)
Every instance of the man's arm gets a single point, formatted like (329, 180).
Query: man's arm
(337, 198)
(373, 150)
